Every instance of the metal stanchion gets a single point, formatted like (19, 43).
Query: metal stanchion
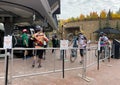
(84, 64)
(98, 60)
(11, 65)
(54, 58)
(6, 65)
(83, 76)
(63, 63)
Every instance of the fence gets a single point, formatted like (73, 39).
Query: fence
(58, 61)
(3, 65)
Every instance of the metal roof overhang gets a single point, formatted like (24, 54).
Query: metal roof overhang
(25, 9)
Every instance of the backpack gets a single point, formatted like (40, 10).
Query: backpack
(102, 41)
(75, 42)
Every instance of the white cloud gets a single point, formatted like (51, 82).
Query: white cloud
(73, 8)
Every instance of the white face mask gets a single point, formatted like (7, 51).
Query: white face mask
(81, 36)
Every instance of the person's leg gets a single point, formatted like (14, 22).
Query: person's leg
(44, 52)
(54, 46)
(53, 49)
(25, 54)
(82, 55)
(40, 57)
(34, 59)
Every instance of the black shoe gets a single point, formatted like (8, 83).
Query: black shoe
(33, 66)
(81, 62)
(39, 66)
(103, 61)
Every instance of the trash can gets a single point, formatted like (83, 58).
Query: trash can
(116, 44)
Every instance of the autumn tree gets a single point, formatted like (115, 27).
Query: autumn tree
(103, 14)
(82, 17)
(115, 16)
(61, 22)
(69, 20)
(93, 15)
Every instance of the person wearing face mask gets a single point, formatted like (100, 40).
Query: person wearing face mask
(82, 43)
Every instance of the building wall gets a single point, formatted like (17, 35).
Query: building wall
(88, 27)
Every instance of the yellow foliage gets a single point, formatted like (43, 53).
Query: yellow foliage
(93, 15)
(82, 17)
(115, 16)
(103, 14)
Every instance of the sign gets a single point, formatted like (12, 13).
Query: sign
(63, 44)
(7, 42)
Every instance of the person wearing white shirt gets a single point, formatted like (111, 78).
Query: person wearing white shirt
(82, 43)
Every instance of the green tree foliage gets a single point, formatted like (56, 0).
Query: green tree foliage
(109, 15)
(77, 19)
(88, 17)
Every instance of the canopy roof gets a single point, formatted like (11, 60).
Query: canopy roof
(108, 30)
(42, 12)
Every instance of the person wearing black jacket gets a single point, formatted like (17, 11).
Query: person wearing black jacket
(55, 42)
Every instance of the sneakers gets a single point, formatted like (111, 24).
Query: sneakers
(39, 66)
(81, 62)
(34, 66)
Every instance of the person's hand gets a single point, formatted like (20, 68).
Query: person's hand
(26, 45)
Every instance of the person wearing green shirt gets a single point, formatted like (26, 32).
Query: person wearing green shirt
(25, 39)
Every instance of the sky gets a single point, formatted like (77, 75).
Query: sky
(73, 8)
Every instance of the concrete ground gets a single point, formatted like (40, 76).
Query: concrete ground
(108, 73)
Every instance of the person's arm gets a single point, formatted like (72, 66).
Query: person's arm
(26, 43)
(45, 38)
(70, 43)
(85, 39)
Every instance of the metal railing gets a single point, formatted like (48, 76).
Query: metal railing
(53, 62)
(3, 65)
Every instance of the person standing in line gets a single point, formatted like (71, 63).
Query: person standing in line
(55, 42)
(39, 37)
(31, 45)
(82, 43)
(25, 40)
(102, 43)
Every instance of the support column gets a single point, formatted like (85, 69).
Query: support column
(8, 25)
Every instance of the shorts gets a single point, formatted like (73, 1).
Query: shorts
(82, 52)
(39, 53)
(101, 49)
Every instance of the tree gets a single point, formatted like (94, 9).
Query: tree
(87, 17)
(82, 17)
(109, 15)
(103, 14)
(115, 16)
(118, 12)
(93, 15)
